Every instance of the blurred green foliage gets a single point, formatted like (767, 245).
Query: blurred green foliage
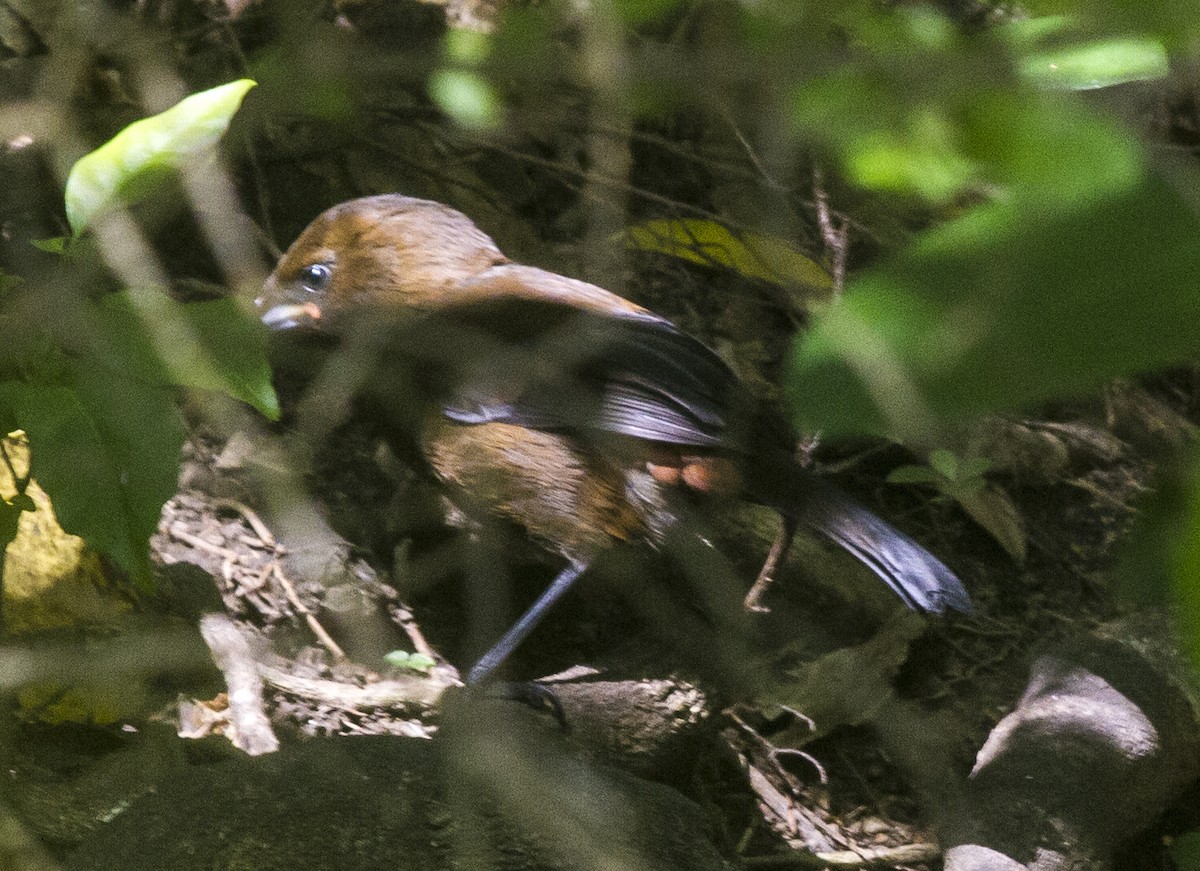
(1009, 305)
(1183, 564)
(93, 385)
(459, 88)
(107, 452)
(952, 476)
(466, 97)
(210, 345)
(1098, 65)
(1185, 851)
(1025, 292)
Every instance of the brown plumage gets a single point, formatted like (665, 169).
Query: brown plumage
(551, 402)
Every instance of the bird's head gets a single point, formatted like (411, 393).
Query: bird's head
(386, 253)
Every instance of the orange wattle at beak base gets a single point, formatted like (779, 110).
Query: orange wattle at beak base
(285, 316)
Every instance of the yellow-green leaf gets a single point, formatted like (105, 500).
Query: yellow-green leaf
(1098, 64)
(767, 258)
(112, 173)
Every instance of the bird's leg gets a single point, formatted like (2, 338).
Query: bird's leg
(500, 651)
(779, 549)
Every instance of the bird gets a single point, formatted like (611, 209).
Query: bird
(552, 404)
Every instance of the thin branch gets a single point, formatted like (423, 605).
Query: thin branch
(313, 623)
(836, 238)
(256, 523)
(766, 575)
(771, 181)
(177, 532)
(404, 618)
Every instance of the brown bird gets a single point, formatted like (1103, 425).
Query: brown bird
(552, 403)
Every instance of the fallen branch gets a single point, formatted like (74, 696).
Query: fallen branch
(248, 729)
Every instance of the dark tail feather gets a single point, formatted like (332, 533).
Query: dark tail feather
(916, 575)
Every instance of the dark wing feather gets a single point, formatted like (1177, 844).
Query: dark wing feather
(551, 366)
(634, 410)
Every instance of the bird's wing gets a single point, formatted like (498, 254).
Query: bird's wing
(551, 365)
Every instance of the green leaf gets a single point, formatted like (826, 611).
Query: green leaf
(917, 108)
(53, 245)
(944, 463)
(923, 156)
(421, 662)
(892, 108)
(1044, 152)
(912, 474)
(202, 345)
(120, 170)
(974, 467)
(235, 344)
(1025, 33)
(1097, 64)
(412, 661)
(766, 258)
(106, 450)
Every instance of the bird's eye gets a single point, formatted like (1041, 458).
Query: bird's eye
(315, 277)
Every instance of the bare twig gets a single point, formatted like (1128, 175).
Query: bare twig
(613, 184)
(753, 156)
(836, 238)
(773, 753)
(405, 620)
(313, 623)
(806, 756)
(177, 532)
(255, 542)
(779, 549)
(252, 518)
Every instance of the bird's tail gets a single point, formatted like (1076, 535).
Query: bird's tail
(916, 575)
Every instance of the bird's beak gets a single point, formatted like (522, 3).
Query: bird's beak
(286, 316)
(285, 307)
